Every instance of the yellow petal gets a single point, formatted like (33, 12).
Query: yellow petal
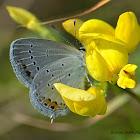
(105, 58)
(96, 26)
(127, 77)
(75, 94)
(87, 38)
(101, 105)
(71, 28)
(29, 20)
(83, 102)
(128, 30)
(22, 16)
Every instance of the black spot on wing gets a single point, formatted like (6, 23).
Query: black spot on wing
(28, 73)
(24, 66)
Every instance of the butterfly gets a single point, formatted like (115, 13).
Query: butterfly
(39, 63)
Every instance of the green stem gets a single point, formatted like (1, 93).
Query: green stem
(132, 94)
(128, 91)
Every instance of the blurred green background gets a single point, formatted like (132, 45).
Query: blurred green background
(16, 112)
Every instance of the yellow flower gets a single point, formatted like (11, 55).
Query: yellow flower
(85, 103)
(105, 57)
(107, 49)
(29, 20)
(90, 26)
(95, 26)
(127, 77)
(128, 30)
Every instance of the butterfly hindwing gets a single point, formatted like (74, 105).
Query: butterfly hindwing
(69, 71)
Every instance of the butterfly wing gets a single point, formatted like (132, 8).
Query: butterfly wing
(38, 63)
(29, 55)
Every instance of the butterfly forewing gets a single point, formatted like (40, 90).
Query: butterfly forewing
(29, 55)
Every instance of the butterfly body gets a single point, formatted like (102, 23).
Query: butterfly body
(39, 63)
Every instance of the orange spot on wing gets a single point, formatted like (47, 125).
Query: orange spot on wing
(48, 101)
(53, 105)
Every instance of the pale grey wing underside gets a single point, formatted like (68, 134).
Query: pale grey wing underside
(70, 71)
(29, 55)
(38, 63)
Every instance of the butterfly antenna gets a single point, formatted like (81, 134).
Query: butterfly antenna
(62, 36)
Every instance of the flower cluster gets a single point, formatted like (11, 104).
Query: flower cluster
(107, 53)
